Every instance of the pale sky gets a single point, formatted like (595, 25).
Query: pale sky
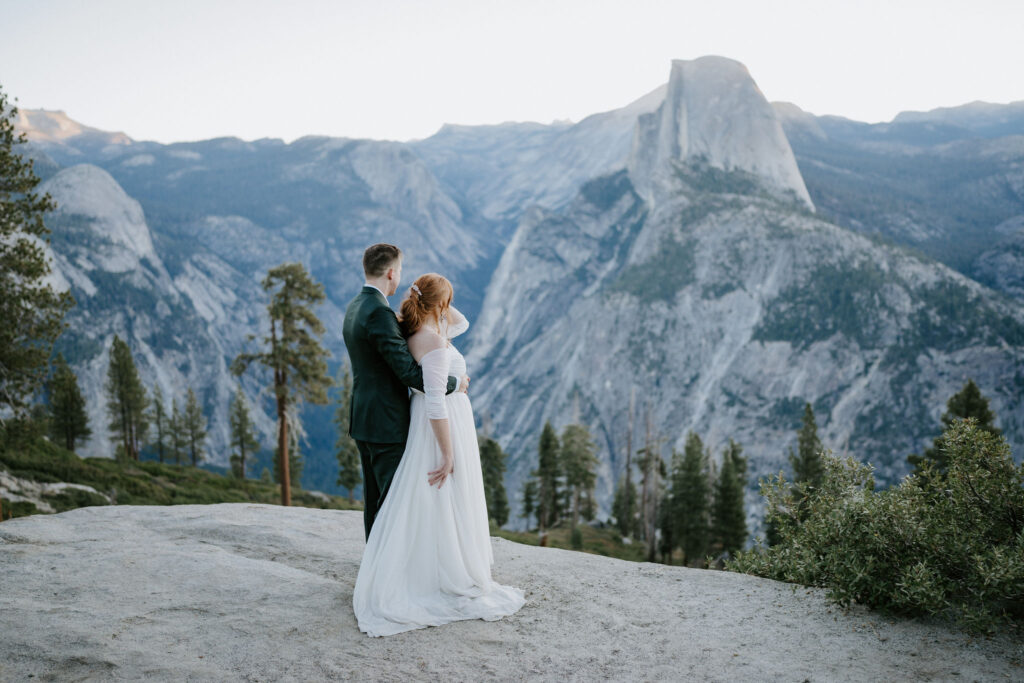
(174, 70)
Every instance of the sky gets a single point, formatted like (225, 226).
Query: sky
(177, 70)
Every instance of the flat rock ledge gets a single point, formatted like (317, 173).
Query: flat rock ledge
(248, 592)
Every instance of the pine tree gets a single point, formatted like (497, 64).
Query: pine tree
(178, 437)
(968, 402)
(295, 462)
(195, 428)
(69, 422)
(624, 507)
(652, 468)
(548, 498)
(579, 458)
(690, 500)
(244, 439)
(729, 527)
(350, 469)
(492, 462)
(579, 462)
(159, 419)
(292, 352)
(529, 499)
(31, 311)
(807, 464)
(126, 399)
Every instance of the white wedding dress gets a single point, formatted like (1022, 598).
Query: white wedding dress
(428, 559)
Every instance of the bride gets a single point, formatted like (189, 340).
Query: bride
(428, 557)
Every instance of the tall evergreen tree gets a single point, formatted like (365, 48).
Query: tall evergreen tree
(177, 434)
(195, 428)
(624, 504)
(292, 352)
(624, 507)
(126, 399)
(729, 526)
(579, 462)
(295, 462)
(159, 419)
(653, 472)
(69, 422)
(669, 521)
(968, 402)
(492, 462)
(806, 462)
(691, 500)
(548, 474)
(350, 468)
(244, 439)
(32, 313)
(529, 499)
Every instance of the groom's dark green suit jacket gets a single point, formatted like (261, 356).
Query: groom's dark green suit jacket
(382, 369)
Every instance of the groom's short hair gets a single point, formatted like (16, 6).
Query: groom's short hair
(378, 258)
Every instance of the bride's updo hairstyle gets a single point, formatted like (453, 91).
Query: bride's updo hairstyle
(430, 292)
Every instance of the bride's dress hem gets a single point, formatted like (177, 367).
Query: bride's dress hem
(428, 559)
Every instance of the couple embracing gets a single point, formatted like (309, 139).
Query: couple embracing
(428, 548)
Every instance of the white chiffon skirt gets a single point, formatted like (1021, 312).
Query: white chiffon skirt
(428, 559)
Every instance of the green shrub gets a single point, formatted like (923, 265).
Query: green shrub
(10, 509)
(71, 498)
(941, 544)
(133, 482)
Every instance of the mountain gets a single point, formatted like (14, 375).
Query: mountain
(55, 131)
(725, 303)
(183, 328)
(506, 168)
(713, 111)
(727, 257)
(166, 245)
(948, 183)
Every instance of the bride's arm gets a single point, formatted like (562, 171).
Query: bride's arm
(435, 379)
(457, 323)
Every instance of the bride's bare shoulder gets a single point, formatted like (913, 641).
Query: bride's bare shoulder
(423, 341)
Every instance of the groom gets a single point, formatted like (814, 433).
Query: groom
(382, 369)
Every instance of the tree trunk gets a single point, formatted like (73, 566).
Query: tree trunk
(575, 507)
(282, 448)
(629, 463)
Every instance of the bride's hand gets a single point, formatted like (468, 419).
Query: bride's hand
(438, 476)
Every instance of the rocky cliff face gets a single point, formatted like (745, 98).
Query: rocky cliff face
(725, 305)
(667, 246)
(176, 268)
(183, 329)
(503, 170)
(713, 111)
(947, 183)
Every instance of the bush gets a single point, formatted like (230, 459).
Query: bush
(71, 498)
(938, 544)
(10, 509)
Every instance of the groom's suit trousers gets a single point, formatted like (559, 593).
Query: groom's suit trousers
(380, 460)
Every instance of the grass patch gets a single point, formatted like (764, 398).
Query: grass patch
(139, 483)
(606, 542)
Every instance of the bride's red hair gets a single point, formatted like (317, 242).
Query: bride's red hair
(435, 294)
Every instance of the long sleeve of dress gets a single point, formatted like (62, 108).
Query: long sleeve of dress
(457, 323)
(435, 382)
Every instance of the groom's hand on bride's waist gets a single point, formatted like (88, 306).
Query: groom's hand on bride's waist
(464, 385)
